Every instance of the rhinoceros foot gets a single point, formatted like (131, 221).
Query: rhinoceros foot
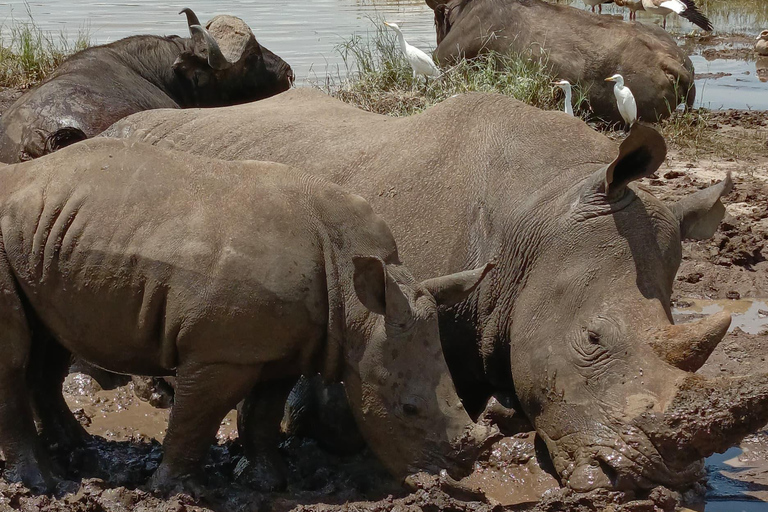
(167, 483)
(40, 477)
(265, 472)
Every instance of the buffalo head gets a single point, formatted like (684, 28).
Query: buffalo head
(225, 65)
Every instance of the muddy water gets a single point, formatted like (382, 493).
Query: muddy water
(306, 34)
(749, 315)
(738, 478)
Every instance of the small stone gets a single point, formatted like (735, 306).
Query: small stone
(673, 174)
(733, 295)
(693, 277)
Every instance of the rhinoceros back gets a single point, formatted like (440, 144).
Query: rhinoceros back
(167, 252)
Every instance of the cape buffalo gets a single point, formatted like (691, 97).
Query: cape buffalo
(232, 274)
(579, 47)
(221, 64)
(575, 321)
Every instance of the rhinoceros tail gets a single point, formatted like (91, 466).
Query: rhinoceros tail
(692, 14)
(62, 138)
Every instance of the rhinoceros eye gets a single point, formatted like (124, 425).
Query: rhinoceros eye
(593, 336)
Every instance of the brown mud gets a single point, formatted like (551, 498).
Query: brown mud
(727, 46)
(726, 272)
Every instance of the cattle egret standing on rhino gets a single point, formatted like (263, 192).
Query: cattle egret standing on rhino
(685, 8)
(565, 85)
(421, 63)
(624, 99)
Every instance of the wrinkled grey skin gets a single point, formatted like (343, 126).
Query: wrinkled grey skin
(98, 86)
(127, 256)
(581, 47)
(575, 320)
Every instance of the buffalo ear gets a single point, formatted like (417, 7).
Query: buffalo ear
(454, 288)
(640, 155)
(700, 213)
(192, 68)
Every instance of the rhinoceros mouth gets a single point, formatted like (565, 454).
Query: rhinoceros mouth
(629, 462)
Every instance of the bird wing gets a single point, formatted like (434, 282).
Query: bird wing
(421, 62)
(673, 5)
(692, 14)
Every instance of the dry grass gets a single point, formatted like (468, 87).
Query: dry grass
(700, 133)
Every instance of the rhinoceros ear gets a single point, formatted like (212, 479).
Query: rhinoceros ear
(378, 291)
(701, 212)
(433, 4)
(640, 155)
(370, 281)
(452, 289)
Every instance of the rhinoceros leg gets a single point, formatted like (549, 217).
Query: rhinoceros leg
(205, 393)
(258, 427)
(48, 369)
(25, 458)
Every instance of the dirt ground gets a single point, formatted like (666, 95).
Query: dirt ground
(729, 271)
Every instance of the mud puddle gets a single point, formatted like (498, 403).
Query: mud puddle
(738, 477)
(749, 315)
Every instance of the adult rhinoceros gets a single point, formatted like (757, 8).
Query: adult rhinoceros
(233, 274)
(221, 64)
(579, 46)
(576, 318)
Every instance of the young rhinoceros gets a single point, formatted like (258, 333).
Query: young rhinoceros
(144, 261)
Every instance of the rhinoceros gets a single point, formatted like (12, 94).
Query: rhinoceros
(221, 64)
(576, 320)
(235, 274)
(578, 46)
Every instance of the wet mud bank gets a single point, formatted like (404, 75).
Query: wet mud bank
(729, 272)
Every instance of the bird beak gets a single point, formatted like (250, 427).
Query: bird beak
(609, 79)
(387, 24)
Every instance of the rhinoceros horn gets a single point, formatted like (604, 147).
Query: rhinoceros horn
(191, 17)
(216, 59)
(708, 415)
(687, 346)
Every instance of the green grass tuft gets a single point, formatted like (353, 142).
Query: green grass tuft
(379, 79)
(28, 55)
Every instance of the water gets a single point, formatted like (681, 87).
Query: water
(749, 315)
(741, 87)
(306, 33)
(726, 493)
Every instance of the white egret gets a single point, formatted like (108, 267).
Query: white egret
(632, 5)
(421, 63)
(625, 100)
(598, 3)
(761, 47)
(685, 8)
(565, 85)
